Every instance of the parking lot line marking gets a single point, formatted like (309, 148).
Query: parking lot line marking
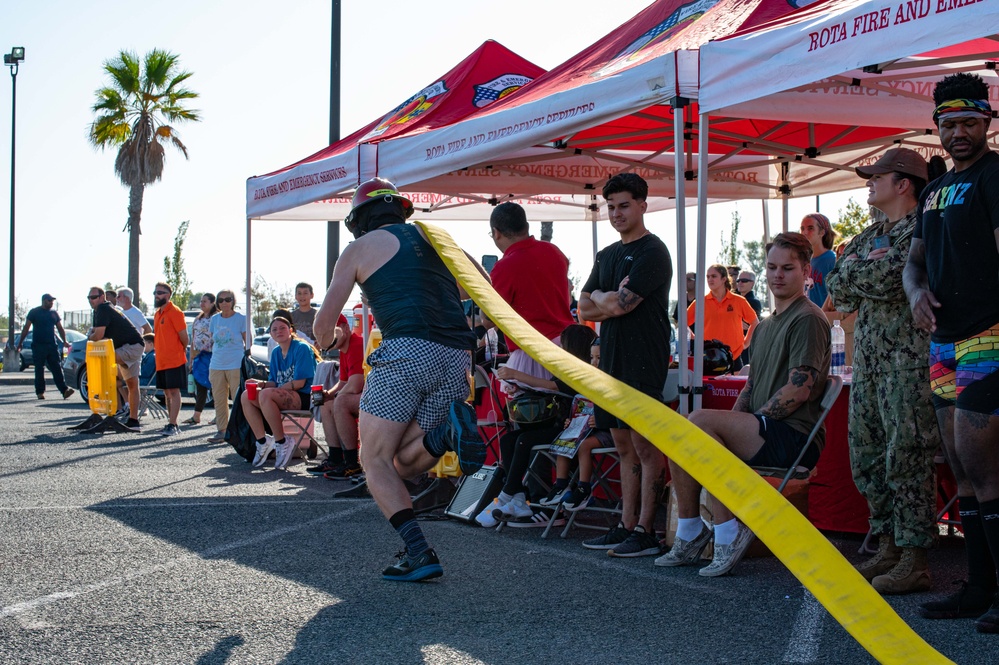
(211, 552)
(807, 632)
(235, 502)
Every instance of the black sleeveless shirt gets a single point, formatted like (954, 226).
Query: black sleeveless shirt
(414, 295)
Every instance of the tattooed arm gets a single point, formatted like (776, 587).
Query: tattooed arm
(742, 403)
(801, 382)
(611, 304)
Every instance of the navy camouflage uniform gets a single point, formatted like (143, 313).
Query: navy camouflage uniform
(893, 432)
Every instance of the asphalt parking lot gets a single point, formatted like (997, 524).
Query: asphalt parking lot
(140, 549)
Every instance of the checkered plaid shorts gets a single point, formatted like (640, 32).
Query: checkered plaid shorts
(413, 379)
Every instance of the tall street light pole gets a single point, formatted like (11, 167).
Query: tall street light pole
(12, 60)
(333, 227)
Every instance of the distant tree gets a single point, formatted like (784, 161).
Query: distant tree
(174, 273)
(756, 255)
(132, 112)
(265, 298)
(852, 220)
(730, 252)
(20, 311)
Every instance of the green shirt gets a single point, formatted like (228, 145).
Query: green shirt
(797, 337)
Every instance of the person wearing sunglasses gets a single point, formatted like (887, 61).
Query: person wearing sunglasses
(171, 353)
(111, 324)
(228, 330)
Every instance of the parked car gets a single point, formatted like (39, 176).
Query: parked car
(28, 358)
(74, 369)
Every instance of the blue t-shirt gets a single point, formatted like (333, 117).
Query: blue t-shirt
(822, 265)
(300, 363)
(43, 322)
(227, 341)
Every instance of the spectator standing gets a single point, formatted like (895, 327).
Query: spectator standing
(627, 291)
(744, 287)
(305, 314)
(171, 353)
(45, 346)
(951, 280)
(227, 329)
(201, 355)
(111, 324)
(132, 313)
(733, 276)
(817, 228)
(725, 312)
(893, 433)
(691, 290)
(533, 277)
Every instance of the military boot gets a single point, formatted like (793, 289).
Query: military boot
(886, 558)
(910, 575)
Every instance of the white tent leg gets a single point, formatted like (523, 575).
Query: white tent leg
(596, 247)
(784, 201)
(249, 289)
(681, 258)
(702, 250)
(766, 239)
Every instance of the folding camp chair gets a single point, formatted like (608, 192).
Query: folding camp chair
(292, 421)
(148, 402)
(496, 423)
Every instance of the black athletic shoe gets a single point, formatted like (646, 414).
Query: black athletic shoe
(463, 437)
(326, 466)
(133, 425)
(989, 622)
(968, 602)
(418, 568)
(639, 543)
(609, 540)
(343, 471)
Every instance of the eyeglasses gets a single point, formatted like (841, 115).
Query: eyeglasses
(743, 280)
(226, 299)
(161, 293)
(490, 232)
(94, 297)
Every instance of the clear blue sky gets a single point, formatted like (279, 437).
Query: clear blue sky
(262, 69)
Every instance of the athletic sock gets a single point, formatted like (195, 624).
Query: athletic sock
(981, 569)
(726, 532)
(409, 530)
(262, 440)
(586, 487)
(350, 457)
(505, 498)
(561, 483)
(435, 440)
(279, 442)
(335, 455)
(989, 511)
(688, 528)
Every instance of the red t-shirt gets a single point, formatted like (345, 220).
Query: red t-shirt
(352, 361)
(533, 277)
(170, 351)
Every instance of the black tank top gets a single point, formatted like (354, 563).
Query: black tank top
(414, 295)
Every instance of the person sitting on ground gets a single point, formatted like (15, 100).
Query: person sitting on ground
(293, 366)
(515, 447)
(724, 314)
(774, 413)
(578, 496)
(147, 367)
(342, 460)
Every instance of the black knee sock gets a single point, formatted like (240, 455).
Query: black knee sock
(404, 522)
(584, 487)
(279, 441)
(989, 510)
(335, 455)
(262, 440)
(561, 483)
(981, 567)
(350, 457)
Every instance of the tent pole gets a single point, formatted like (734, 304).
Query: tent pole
(332, 227)
(784, 201)
(596, 247)
(702, 249)
(679, 104)
(249, 290)
(766, 239)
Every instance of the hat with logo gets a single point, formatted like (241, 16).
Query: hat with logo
(896, 160)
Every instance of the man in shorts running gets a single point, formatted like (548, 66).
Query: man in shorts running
(413, 407)
(774, 413)
(952, 281)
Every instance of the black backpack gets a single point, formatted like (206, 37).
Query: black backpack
(238, 434)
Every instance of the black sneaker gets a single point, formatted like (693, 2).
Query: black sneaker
(425, 566)
(343, 471)
(968, 602)
(40, 396)
(639, 543)
(326, 466)
(609, 540)
(989, 622)
(463, 437)
(133, 425)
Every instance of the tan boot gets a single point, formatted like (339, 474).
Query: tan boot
(910, 575)
(886, 558)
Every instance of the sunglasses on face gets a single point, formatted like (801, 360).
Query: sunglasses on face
(743, 281)
(161, 293)
(94, 297)
(225, 299)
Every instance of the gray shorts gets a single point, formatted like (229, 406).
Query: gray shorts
(413, 379)
(129, 359)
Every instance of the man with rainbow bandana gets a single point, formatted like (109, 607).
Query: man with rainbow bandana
(951, 280)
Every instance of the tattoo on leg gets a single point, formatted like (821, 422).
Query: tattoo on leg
(977, 420)
(636, 469)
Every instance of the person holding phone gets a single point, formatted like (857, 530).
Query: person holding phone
(893, 434)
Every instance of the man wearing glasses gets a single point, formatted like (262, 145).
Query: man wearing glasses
(171, 353)
(111, 324)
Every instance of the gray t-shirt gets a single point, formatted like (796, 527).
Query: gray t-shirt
(797, 337)
(303, 321)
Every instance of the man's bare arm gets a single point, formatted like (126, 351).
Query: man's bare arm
(344, 276)
(801, 381)
(97, 334)
(743, 401)
(24, 334)
(588, 309)
(922, 302)
(616, 303)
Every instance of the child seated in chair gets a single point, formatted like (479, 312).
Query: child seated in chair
(147, 367)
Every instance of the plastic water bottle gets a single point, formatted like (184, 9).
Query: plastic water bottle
(492, 343)
(837, 365)
(191, 387)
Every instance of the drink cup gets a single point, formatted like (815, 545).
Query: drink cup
(251, 390)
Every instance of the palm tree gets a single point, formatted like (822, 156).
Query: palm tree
(132, 113)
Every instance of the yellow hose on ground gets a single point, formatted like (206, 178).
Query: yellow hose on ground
(807, 554)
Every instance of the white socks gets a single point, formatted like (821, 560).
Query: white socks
(688, 528)
(725, 533)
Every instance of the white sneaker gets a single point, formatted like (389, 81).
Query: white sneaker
(727, 556)
(485, 518)
(263, 451)
(518, 508)
(285, 451)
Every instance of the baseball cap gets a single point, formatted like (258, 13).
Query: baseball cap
(47, 296)
(900, 160)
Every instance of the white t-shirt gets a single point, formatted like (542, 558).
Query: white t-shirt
(135, 317)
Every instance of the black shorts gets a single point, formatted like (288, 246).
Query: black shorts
(606, 420)
(781, 445)
(175, 377)
(306, 404)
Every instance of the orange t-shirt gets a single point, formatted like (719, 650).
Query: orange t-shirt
(167, 324)
(723, 320)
